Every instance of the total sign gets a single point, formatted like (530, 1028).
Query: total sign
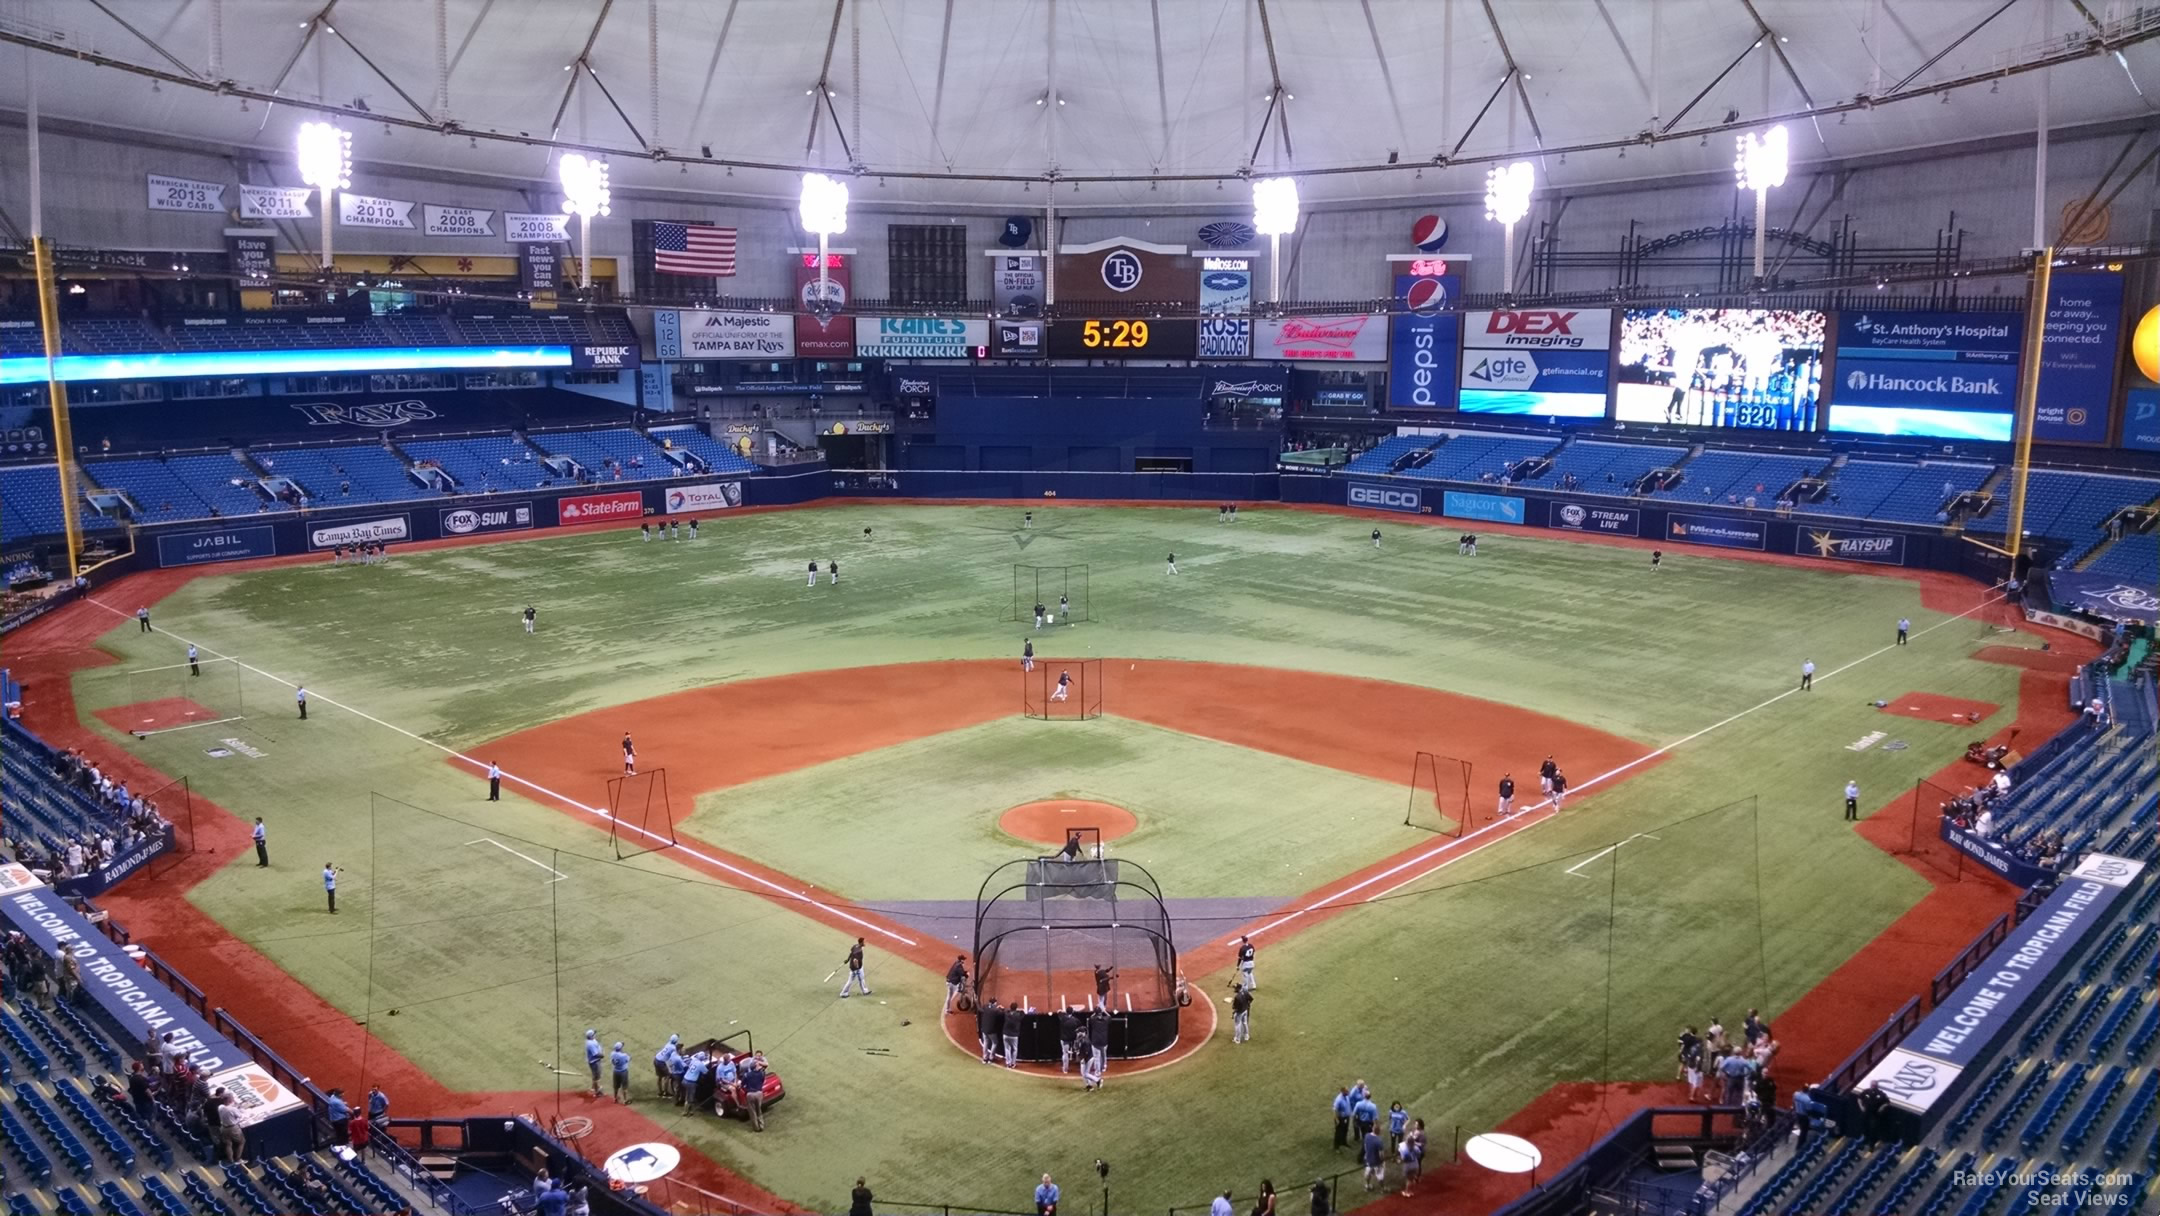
(1423, 343)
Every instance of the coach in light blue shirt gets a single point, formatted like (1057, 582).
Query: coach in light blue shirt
(1046, 1197)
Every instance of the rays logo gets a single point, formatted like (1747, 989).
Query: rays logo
(384, 414)
(1121, 270)
(2130, 598)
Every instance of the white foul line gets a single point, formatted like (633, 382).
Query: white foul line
(1611, 848)
(565, 799)
(1522, 824)
(559, 875)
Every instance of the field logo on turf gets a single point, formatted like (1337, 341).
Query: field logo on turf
(241, 746)
(1866, 741)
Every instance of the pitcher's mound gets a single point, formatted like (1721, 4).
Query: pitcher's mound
(162, 714)
(1045, 822)
(1933, 707)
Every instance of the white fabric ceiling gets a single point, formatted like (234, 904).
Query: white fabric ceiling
(1175, 87)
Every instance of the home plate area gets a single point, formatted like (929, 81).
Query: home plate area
(1933, 707)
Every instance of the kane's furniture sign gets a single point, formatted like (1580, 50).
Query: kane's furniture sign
(370, 531)
(711, 496)
(1716, 530)
(493, 517)
(1846, 545)
(598, 508)
(919, 337)
(224, 545)
(1594, 517)
(725, 335)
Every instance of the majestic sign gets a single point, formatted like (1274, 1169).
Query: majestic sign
(520, 226)
(275, 202)
(1719, 530)
(1844, 544)
(1594, 517)
(710, 496)
(1355, 338)
(456, 221)
(724, 335)
(919, 337)
(1423, 341)
(597, 508)
(1383, 497)
(2078, 356)
(394, 527)
(184, 194)
(361, 211)
(1016, 284)
(487, 517)
(224, 545)
(1492, 508)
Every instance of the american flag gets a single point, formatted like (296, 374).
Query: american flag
(692, 249)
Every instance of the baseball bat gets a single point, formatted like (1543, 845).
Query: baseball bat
(828, 975)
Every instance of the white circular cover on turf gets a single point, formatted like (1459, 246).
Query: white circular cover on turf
(1502, 1153)
(642, 1162)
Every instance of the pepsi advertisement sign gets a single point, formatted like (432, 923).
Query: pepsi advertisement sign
(1945, 375)
(2077, 357)
(1424, 343)
(1544, 362)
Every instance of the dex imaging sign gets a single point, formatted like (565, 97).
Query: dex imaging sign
(1546, 362)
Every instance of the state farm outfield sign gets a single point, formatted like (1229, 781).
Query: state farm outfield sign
(366, 531)
(493, 517)
(599, 508)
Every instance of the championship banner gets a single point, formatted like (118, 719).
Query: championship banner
(275, 202)
(1356, 338)
(1121, 270)
(1016, 284)
(1225, 285)
(919, 338)
(395, 527)
(1423, 341)
(1846, 545)
(540, 266)
(1718, 530)
(1543, 362)
(827, 337)
(520, 226)
(456, 221)
(251, 255)
(712, 496)
(830, 295)
(362, 211)
(2078, 356)
(1225, 338)
(185, 194)
(727, 335)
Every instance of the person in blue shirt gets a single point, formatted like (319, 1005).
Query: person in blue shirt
(553, 1200)
(619, 1062)
(692, 1071)
(339, 1112)
(1398, 1121)
(677, 1062)
(1046, 1197)
(592, 1059)
(1365, 1114)
(378, 1104)
(1372, 1156)
(1342, 1107)
(752, 1073)
(660, 1064)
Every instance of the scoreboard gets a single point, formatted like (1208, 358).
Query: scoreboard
(1124, 338)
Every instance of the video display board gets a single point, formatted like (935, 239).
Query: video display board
(1758, 368)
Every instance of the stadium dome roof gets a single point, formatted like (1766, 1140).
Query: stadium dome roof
(986, 103)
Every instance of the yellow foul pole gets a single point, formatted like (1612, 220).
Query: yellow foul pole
(56, 393)
(2028, 394)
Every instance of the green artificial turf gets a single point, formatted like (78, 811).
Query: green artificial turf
(1464, 995)
(920, 820)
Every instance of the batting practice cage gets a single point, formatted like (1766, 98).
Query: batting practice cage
(1440, 797)
(1062, 690)
(1046, 585)
(178, 696)
(1045, 927)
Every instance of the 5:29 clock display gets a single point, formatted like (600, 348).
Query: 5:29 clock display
(1123, 338)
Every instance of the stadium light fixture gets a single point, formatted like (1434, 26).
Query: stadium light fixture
(1761, 165)
(585, 194)
(1507, 199)
(1275, 213)
(824, 211)
(325, 155)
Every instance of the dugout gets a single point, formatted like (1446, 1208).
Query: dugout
(1042, 926)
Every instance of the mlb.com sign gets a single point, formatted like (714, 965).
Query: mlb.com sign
(1385, 497)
